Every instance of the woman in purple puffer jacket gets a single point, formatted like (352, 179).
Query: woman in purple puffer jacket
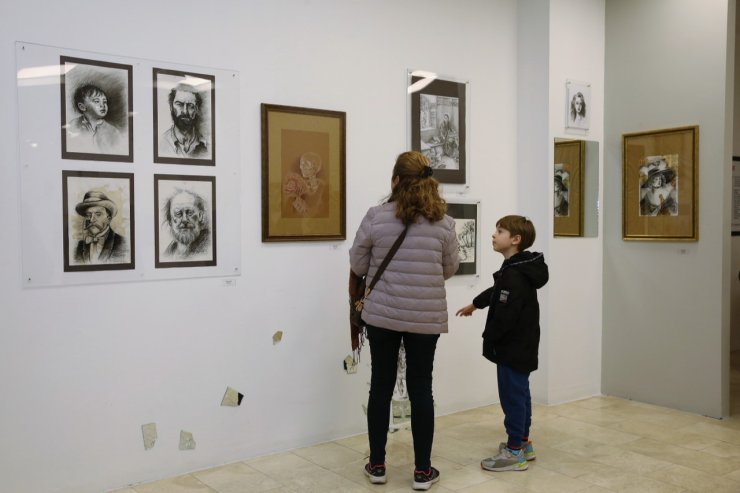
(407, 304)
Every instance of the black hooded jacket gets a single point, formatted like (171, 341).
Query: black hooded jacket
(512, 333)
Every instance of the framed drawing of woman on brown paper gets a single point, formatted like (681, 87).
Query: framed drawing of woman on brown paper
(660, 185)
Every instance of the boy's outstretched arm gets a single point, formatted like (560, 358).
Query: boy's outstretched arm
(466, 311)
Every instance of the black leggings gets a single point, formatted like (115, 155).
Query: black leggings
(420, 348)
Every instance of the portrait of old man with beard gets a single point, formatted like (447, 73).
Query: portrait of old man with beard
(187, 231)
(184, 118)
(98, 225)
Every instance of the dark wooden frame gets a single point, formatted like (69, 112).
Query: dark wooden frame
(129, 107)
(155, 111)
(66, 174)
(302, 118)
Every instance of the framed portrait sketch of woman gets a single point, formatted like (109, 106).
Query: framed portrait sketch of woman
(577, 105)
(660, 185)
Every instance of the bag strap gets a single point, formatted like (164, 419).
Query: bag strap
(386, 261)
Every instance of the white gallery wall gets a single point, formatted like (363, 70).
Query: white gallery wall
(574, 314)
(666, 304)
(85, 366)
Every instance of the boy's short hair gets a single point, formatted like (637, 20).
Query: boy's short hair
(86, 91)
(519, 225)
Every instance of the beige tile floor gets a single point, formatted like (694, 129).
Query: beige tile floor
(601, 444)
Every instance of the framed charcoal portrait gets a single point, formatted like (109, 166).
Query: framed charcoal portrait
(660, 184)
(184, 117)
(568, 187)
(303, 174)
(466, 227)
(438, 124)
(98, 213)
(97, 110)
(185, 221)
(577, 105)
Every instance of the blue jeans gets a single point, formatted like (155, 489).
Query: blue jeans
(420, 349)
(516, 401)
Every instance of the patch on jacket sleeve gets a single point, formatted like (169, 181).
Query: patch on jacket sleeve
(504, 296)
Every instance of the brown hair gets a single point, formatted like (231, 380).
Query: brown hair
(519, 225)
(417, 193)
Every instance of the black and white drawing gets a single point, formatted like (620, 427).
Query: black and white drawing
(659, 186)
(185, 229)
(98, 220)
(578, 100)
(466, 228)
(561, 192)
(96, 109)
(438, 124)
(184, 117)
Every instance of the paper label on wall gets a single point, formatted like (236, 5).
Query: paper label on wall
(149, 432)
(232, 398)
(186, 440)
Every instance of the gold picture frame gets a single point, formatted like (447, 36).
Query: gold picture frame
(568, 187)
(303, 174)
(660, 184)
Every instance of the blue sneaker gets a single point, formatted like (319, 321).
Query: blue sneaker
(506, 460)
(528, 451)
(527, 448)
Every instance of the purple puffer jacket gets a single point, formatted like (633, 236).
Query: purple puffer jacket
(410, 295)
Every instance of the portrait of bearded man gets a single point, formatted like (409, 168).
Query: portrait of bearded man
(183, 138)
(101, 244)
(186, 217)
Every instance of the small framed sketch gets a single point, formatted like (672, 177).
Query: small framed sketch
(97, 110)
(577, 105)
(568, 187)
(185, 221)
(303, 174)
(466, 227)
(184, 117)
(98, 211)
(660, 185)
(438, 112)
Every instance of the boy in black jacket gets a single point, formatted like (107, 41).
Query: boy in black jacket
(512, 335)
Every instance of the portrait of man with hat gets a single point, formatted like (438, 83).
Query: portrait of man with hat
(100, 244)
(658, 195)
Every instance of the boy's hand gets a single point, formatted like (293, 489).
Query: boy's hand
(466, 311)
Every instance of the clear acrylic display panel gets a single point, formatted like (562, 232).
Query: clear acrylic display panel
(41, 165)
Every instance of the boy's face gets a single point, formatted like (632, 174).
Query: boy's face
(504, 243)
(95, 106)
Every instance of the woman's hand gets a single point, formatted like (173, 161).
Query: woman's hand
(466, 311)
